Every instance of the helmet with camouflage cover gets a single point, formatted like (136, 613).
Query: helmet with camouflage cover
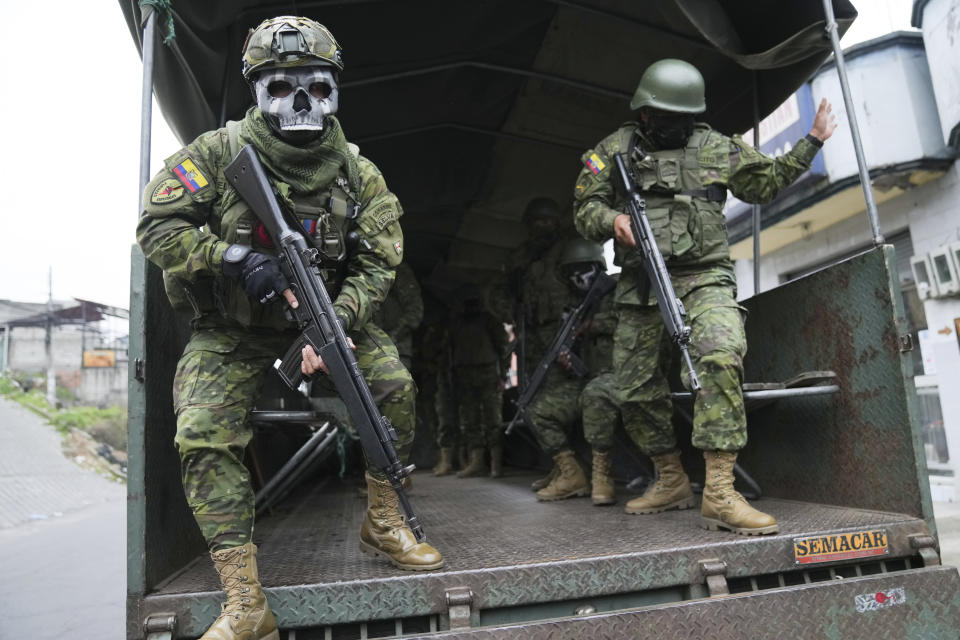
(671, 85)
(289, 41)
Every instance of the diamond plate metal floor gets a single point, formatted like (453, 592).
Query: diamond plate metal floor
(485, 524)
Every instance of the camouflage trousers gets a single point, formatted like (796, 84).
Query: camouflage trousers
(600, 411)
(555, 410)
(480, 403)
(448, 430)
(642, 356)
(216, 385)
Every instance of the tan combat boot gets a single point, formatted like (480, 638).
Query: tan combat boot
(540, 483)
(601, 480)
(723, 507)
(670, 491)
(569, 482)
(496, 462)
(384, 532)
(476, 466)
(245, 615)
(445, 465)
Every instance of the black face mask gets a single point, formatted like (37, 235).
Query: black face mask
(541, 237)
(669, 130)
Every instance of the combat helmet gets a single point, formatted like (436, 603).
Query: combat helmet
(290, 41)
(579, 250)
(581, 263)
(541, 209)
(671, 85)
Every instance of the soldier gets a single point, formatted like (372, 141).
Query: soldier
(218, 260)
(684, 168)
(401, 313)
(478, 353)
(534, 298)
(580, 264)
(433, 385)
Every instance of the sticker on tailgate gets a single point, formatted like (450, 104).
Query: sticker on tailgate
(840, 546)
(880, 600)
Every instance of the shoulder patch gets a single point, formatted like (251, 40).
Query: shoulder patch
(190, 176)
(595, 164)
(169, 190)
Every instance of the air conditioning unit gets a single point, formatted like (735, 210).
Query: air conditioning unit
(945, 271)
(922, 275)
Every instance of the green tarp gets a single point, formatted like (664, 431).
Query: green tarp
(472, 108)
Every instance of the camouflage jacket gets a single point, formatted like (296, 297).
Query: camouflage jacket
(478, 339)
(191, 215)
(595, 343)
(685, 190)
(402, 310)
(534, 283)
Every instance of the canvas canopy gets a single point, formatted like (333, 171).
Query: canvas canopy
(471, 109)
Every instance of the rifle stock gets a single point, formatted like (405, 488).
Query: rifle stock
(319, 326)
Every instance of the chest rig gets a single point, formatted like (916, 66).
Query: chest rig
(685, 214)
(328, 217)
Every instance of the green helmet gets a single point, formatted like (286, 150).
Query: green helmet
(579, 250)
(541, 209)
(671, 85)
(289, 41)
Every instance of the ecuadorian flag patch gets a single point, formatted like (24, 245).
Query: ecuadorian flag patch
(190, 176)
(595, 164)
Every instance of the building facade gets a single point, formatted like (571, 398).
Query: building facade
(906, 90)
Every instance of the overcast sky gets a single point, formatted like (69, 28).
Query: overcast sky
(71, 98)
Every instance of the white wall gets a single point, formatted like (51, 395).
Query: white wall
(103, 387)
(28, 349)
(931, 212)
(941, 35)
(895, 107)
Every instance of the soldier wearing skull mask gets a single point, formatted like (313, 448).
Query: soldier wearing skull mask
(220, 266)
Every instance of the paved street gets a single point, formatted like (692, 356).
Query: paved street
(61, 538)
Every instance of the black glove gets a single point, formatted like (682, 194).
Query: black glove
(259, 274)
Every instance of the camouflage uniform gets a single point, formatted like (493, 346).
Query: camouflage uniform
(599, 401)
(479, 345)
(554, 410)
(191, 216)
(401, 312)
(684, 191)
(430, 374)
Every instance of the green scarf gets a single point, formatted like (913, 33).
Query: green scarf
(306, 169)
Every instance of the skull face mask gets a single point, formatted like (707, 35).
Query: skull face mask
(581, 276)
(297, 100)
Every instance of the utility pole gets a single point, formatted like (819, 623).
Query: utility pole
(48, 343)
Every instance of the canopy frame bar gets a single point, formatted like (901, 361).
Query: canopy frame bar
(872, 213)
(487, 66)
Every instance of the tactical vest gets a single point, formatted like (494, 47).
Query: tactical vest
(685, 215)
(472, 344)
(328, 216)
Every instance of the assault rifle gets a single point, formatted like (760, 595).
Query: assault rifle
(319, 326)
(562, 343)
(671, 308)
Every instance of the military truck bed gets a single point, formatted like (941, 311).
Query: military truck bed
(520, 569)
(513, 552)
